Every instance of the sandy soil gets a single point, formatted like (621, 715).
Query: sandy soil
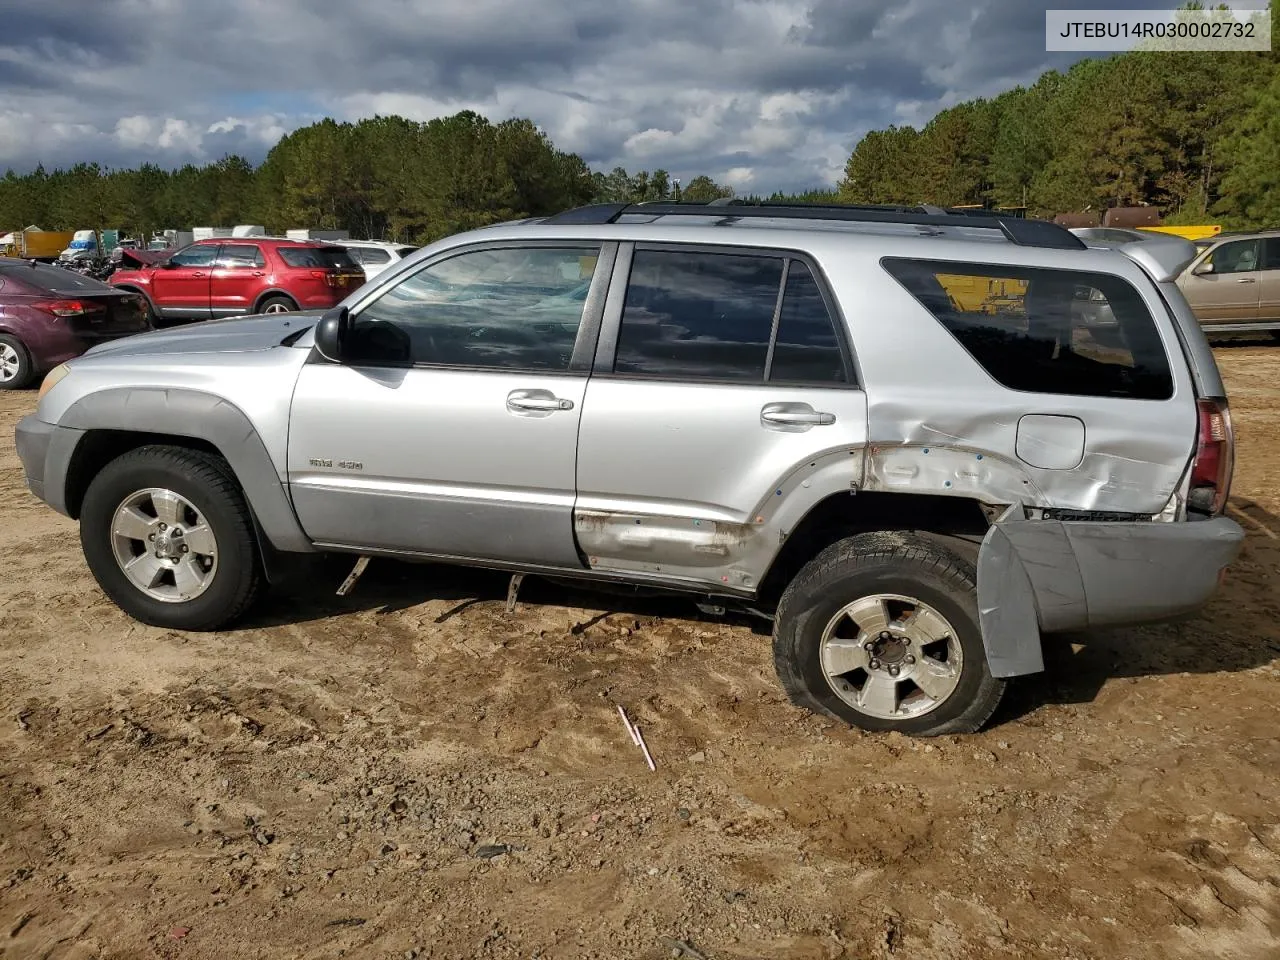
(335, 778)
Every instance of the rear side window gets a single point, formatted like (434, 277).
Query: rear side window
(319, 257)
(1271, 253)
(806, 349)
(1045, 331)
(370, 255)
(693, 315)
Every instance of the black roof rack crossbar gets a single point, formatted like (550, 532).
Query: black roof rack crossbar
(1026, 233)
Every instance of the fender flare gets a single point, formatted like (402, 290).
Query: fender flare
(185, 413)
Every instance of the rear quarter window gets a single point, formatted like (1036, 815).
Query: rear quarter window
(319, 257)
(1045, 331)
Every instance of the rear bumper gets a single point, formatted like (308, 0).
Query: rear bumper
(1049, 575)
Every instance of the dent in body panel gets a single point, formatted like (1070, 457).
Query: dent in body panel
(972, 444)
(725, 553)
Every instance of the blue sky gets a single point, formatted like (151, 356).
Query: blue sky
(764, 94)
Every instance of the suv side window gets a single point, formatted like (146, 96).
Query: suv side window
(241, 255)
(1238, 256)
(806, 349)
(1271, 253)
(369, 255)
(196, 255)
(698, 316)
(742, 318)
(1045, 331)
(508, 308)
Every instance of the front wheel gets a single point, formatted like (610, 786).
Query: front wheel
(168, 536)
(881, 630)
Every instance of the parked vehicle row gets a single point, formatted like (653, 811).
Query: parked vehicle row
(811, 413)
(212, 279)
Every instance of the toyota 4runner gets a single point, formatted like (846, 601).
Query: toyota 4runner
(887, 429)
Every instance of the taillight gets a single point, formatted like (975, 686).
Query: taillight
(67, 308)
(1215, 458)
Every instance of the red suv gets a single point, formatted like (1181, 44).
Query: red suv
(225, 278)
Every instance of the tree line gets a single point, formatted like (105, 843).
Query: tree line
(384, 177)
(1196, 134)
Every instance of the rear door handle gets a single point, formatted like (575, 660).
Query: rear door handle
(198, 273)
(536, 400)
(795, 414)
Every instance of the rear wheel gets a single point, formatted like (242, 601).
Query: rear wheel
(277, 305)
(168, 536)
(881, 630)
(16, 369)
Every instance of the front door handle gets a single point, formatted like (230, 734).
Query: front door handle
(541, 400)
(795, 415)
(198, 273)
(1247, 280)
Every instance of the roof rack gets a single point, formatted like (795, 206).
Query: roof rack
(1025, 233)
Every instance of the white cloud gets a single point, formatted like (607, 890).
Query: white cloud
(776, 87)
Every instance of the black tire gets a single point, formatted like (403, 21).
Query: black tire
(277, 302)
(25, 374)
(884, 563)
(207, 482)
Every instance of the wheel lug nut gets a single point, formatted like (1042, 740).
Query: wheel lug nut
(884, 634)
(151, 536)
(868, 645)
(875, 664)
(893, 671)
(910, 659)
(185, 548)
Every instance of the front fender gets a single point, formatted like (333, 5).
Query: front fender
(182, 413)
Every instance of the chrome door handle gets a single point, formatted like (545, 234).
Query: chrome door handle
(520, 400)
(776, 413)
(1246, 280)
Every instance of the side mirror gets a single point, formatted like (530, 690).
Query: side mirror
(331, 332)
(1206, 267)
(166, 265)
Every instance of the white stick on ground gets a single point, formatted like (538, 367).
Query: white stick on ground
(640, 739)
(627, 723)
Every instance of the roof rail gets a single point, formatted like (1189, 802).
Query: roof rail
(1025, 233)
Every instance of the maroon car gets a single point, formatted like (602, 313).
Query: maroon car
(49, 315)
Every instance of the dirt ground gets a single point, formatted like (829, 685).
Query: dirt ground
(409, 771)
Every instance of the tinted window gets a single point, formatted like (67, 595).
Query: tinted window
(698, 316)
(200, 255)
(405, 251)
(1238, 256)
(320, 257)
(370, 255)
(1271, 253)
(511, 308)
(240, 255)
(1046, 331)
(806, 348)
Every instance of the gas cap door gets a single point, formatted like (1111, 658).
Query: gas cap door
(1050, 441)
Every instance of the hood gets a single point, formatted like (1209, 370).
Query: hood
(213, 336)
(137, 259)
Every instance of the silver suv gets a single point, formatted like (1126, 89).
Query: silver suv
(887, 429)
